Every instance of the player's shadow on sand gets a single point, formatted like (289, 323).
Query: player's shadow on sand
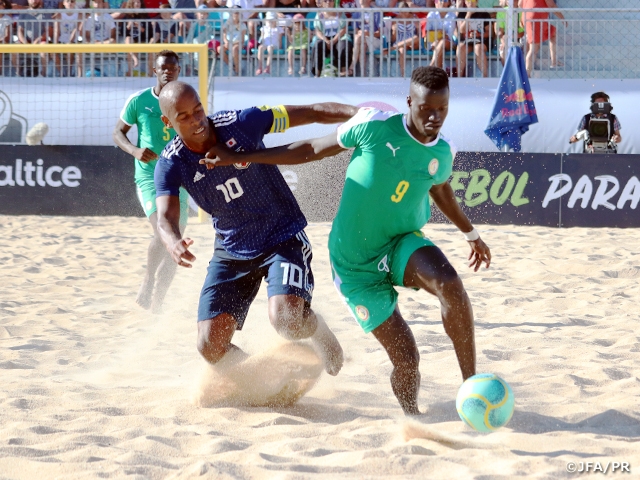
(610, 422)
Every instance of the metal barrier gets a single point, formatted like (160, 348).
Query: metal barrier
(373, 42)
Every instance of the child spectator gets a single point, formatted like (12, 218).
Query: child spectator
(438, 32)
(233, 33)
(165, 29)
(270, 39)
(405, 34)
(67, 30)
(298, 40)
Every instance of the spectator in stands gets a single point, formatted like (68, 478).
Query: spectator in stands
(600, 97)
(363, 40)
(473, 28)
(234, 31)
(67, 30)
(500, 30)
(346, 4)
(250, 17)
(298, 40)
(137, 30)
(405, 34)
(270, 39)
(32, 30)
(99, 27)
(539, 31)
(422, 4)
(165, 28)
(6, 23)
(19, 4)
(438, 31)
(201, 31)
(332, 48)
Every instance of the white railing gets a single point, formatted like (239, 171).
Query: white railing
(589, 43)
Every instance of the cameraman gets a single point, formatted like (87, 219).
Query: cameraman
(600, 97)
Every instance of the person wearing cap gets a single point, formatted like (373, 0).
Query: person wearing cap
(599, 97)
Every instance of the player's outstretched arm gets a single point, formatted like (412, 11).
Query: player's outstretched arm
(445, 200)
(303, 151)
(168, 211)
(328, 112)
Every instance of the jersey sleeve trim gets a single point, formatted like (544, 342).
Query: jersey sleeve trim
(280, 118)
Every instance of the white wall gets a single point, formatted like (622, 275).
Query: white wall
(560, 105)
(84, 111)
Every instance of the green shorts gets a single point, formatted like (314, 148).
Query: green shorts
(369, 289)
(147, 197)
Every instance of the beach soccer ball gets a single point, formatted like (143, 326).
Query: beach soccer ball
(485, 402)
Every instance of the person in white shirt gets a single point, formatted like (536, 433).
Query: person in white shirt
(99, 27)
(67, 30)
(270, 39)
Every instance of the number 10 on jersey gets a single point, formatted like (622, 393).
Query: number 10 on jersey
(231, 189)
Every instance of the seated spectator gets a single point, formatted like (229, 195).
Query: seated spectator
(539, 31)
(298, 40)
(32, 29)
(234, 31)
(67, 30)
(346, 4)
(420, 4)
(165, 28)
(201, 30)
(6, 23)
(473, 28)
(137, 30)
(270, 39)
(499, 28)
(364, 40)
(19, 4)
(438, 31)
(332, 47)
(182, 17)
(405, 34)
(250, 17)
(99, 27)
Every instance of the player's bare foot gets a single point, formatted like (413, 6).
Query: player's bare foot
(328, 348)
(145, 294)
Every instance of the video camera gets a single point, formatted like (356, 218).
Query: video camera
(597, 136)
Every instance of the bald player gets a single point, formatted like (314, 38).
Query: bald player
(258, 223)
(375, 242)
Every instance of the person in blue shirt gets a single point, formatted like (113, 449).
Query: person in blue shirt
(259, 225)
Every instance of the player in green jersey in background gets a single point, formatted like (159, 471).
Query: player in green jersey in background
(375, 242)
(143, 110)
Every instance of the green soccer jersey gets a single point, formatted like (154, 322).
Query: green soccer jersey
(143, 110)
(386, 191)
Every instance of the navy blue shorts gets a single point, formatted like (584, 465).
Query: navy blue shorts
(232, 284)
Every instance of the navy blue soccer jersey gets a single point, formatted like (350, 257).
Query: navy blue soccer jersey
(251, 204)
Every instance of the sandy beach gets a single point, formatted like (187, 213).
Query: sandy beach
(92, 386)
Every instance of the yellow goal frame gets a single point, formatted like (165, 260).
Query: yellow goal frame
(200, 48)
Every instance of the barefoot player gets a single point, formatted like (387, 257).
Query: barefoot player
(143, 110)
(375, 242)
(259, 225)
